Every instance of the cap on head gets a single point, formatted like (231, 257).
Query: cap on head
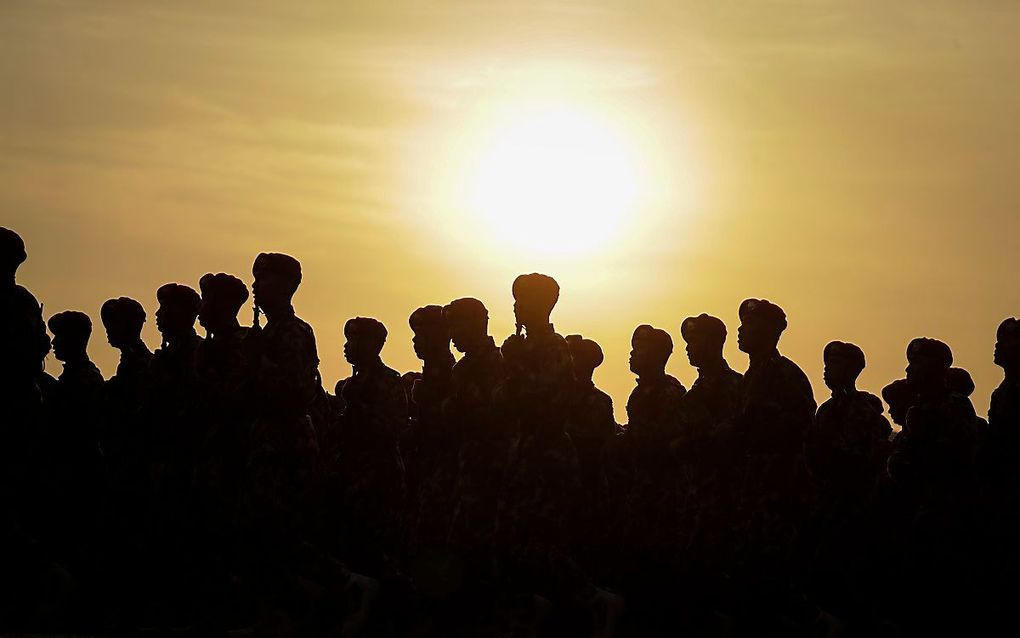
(123, 312)
(764, 311)
(465, 309)
(585, 351)
(285, 266)
(847, 352)
(12, 248)
(958, 380)
(540, 289)
(1008, 330)
(931, 350)
(899, 392)
(427, 318)
(655, 338)
(179, 296)
(72, 324)
(367, 328)
(703, 328)
(226, 288)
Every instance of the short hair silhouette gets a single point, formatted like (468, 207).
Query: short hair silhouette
(285, 266)
(764, 311)
(467, 310)
(226, 288)
(585, 351)
(179, 296)
(542, 290)
(73, 326)
(655, 338)
(703, 328)
(12, 249)
(930, 350)
(959, 381)
(123, 314)
(427, 318)
(371, 330)
(848, 352)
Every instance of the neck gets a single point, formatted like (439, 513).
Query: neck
(76, 358)
(478, 345)
(134, 347)
(538, 327)
(713, 366)
(369, 362)
(228, 329)
(440, 361)
(845, 391)
(278, 311)
(7, 280)
(654, 375)
(1011, 374)
(762, 355)
(174, 339)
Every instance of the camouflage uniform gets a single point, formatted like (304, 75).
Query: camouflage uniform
(483, 448)
(371, 471)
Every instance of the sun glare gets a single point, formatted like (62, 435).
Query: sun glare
(554, 181)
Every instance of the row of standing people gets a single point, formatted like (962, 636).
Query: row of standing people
(499, 481)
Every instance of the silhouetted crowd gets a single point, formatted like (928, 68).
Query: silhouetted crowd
(213, 487)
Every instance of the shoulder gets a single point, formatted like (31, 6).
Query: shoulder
(870, 401)
(23, 297)
(673, 385)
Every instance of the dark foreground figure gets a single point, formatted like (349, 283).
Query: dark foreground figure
(212, 487)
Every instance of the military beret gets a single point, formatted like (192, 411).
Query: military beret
(123, 311)
(12, 247)
(931, 349)
(226, 287)
(541, 288)
(585, 350)
(70, 322)
(959, 381)
(655, 337)
(899, 392)
(763, 310)
(846, 351)
(465, 308)
(173, 294)
(278, 263)
(1008, 329)
(703, 327)
(427, 317)
(366, 327)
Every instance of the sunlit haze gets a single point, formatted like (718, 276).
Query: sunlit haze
(851, 161)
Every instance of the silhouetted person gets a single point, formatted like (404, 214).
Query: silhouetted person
(1004, 411)
(900, 397)
(125, 392)
(776, 411)
(482, 438)
(847, 443)
(958, 380)
(650, 500)
(73, 442)
(933, 456)
(430, 448)
(704, 445)
(591, 426)
(371, 469)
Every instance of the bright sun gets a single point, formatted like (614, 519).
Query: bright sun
(557, 181)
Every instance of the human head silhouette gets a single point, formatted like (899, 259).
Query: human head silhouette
(222, 298)
(650, 350)
(844, 362)
(468, 323)
(12, 253)
(178, 308)
(71, 331)
(585, 354)
(1007, 345)
(365, 338)
(900, 396)
(928, 362)
(958, 380)
(277, 277)
(761, 324)
(535, 296)
(431, 332)
(705, 336)
(123, 319)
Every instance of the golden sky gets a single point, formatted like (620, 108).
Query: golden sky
(852, 161)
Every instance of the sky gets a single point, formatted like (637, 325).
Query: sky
(852, 161)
